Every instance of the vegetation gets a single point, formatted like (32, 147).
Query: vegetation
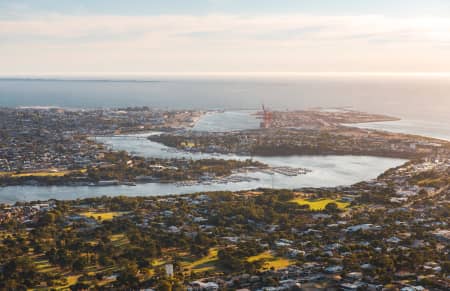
(121, 167)
(320, 204)
(55, 173)
(206, 263)
(269, 261)
(126, 242)
(102, 216)
(286, 142)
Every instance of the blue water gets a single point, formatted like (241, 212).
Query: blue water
(422, 103)
(228, 121)
(327, 171)
(440, 130)
(416, 98)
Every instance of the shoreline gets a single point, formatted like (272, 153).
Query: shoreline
(197, 119)
(321, 167)
(407, 126)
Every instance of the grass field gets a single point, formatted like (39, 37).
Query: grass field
(270, 261)
(207, 263)
(158, 262)
(278, 263)
(43, 266)
(71, 280)
(4, 234)
(187, 144)
(102, 215)
(61, 285)
(41, 173)
(119, 239)
(261, 256)
(436, 182)
(320, 204)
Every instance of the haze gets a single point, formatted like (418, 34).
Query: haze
(201, 36)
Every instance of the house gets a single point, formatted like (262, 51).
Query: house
(283, 243)
(334, 269)
(200, 286)
(354, 275)
(199, 219)
(366, 226)
(413, 288)
(173, 229)
(352, 286)
(443, 235)
(394, 240)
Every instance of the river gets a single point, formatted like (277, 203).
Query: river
(326, 171)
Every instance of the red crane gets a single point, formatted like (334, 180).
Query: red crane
(267, 118)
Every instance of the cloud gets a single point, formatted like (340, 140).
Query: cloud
(228, 26)
(221, 42)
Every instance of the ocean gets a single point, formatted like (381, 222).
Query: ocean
(408, 97)
(423, 103)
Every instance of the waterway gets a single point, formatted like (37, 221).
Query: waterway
(326, 171)
(423, 103)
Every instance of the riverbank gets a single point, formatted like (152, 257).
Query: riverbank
(121, 168)
(326, 171)
(293, 141)
(433, 129)
(264, 233)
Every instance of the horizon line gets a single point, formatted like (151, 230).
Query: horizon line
(48, 75)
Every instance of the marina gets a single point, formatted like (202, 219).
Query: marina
(287, 172)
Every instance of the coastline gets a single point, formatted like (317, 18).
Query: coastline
(127, 188)
(327, 171)
(436, 130)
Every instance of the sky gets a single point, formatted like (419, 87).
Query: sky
(223, 36)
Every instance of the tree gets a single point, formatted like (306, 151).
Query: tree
(79, 286)
(79, 264)
(127, 278)
(47, 219)
(331, 207)
(164, 285)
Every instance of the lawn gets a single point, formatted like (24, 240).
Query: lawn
(71, 280)
(43, 265)
(270, 261)
(433, 182)
(320, 204)
(277, 263)
(41, 173)
(204, 264)
(4, 234)
(102, 215)
(158, 262)
(188, 144)
(261, 256)
(119, 240)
